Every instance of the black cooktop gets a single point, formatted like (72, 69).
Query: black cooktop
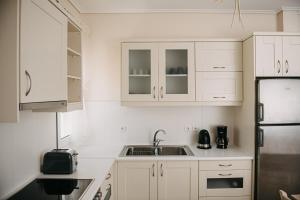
(53, 189)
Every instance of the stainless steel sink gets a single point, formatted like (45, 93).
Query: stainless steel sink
(147, 150)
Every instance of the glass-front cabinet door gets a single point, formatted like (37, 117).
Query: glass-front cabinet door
(176, 71)
(139, 72)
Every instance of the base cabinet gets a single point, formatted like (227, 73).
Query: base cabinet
(158, 180)
(137, 180)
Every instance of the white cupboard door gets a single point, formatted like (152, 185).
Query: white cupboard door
(269, 56)
(139, 72)
(43, 54)
(176, 71)
(291, 56)
(219, 86)
(178, 180)
(219, 56)
(137, 180)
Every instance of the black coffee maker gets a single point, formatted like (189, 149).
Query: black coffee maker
(204, 140)
(222, 139)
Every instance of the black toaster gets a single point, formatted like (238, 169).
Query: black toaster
(59, 161)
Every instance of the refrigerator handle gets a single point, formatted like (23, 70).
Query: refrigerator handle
(260, 137)
(260, 112)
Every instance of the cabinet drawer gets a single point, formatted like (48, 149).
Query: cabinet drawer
(225, 183)
(226, 198)
(225, 165)
(218, 56)
(219, 86)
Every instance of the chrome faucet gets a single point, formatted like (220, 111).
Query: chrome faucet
(157, 141)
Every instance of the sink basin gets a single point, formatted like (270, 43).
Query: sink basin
(147, 150)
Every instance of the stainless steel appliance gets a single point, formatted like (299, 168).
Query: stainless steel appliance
(222, 139)
(53, 189)
(203, 140)
(277, 137)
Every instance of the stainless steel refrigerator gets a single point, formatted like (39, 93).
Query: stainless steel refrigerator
(277, 137)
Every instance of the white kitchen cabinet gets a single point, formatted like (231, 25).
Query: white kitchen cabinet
(219, 56)
(176, 71)
(153, 72)
(157, 180)
(291, 58)
(139, 72)
(219, 86)
(43, 57)
(225, 179)
(277, 55)
(137, 180)
(177, 180)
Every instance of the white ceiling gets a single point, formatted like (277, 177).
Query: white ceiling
(123, 6)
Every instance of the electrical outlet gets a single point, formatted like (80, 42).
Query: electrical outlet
(187, 129)
(123, 129)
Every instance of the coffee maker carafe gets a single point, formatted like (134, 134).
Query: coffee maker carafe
(222, 139)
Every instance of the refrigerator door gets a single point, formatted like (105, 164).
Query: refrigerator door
(278, 161)
(278, 101)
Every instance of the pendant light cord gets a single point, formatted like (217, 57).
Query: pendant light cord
(57, 135)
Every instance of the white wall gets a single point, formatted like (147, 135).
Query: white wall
(21, 145)
(102, 63)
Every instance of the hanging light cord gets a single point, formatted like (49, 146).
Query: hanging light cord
(237, 10)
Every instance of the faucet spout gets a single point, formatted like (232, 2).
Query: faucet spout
(156, 141)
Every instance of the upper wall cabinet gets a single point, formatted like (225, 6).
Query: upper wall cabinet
(42, 66)
(158, 72)
(43, 58)
(277, 56)
(219, 56)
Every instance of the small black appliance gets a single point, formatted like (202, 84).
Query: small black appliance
(60, 161)
(204, 140)
(222, 139)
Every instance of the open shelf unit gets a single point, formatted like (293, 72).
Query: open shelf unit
(74, 76)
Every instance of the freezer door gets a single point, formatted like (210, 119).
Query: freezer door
(278, 161)
(278, 101)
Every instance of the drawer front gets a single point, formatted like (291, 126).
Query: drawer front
(226, 198)
(219, 86)
(225, 165)
(225, 183)
(218, 56)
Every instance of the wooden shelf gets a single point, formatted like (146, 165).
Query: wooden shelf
(139, 75)
(72, 52)
(74, 77)
(176, 75)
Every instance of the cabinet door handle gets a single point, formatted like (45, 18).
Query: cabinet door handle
(161, 92)
(221, 165)
(154, 92)
(278, 66)
(287, 66)
(153, 174)
(108, 176)
(219, 97)
(224, 174)
(30, 83)
(219, 67)
(161, 170)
